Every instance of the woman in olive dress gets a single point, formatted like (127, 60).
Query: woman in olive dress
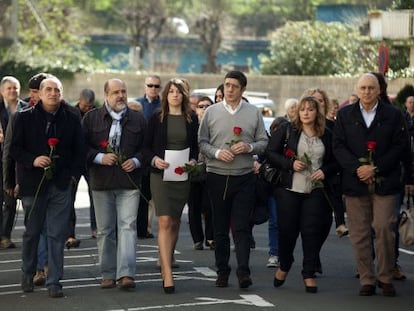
(174, 127)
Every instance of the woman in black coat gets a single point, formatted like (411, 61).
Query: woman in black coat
(306, 161)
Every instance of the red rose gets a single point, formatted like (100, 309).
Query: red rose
(289, 153)
(237, 130)
(371, 145)
(179, 170)
(104, 143)
(52, 142)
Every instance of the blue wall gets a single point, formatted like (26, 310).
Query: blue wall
(188, 54)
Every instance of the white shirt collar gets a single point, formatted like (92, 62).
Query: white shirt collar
(230, 109)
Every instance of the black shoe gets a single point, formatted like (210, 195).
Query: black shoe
(222, 280)
(244, 281)
(168, 289)
(198, 246)
(252, 243)
(211, 245)
(313, 289)
(278, 282)
(27, 284)
(55, 291)
(367, 290)
(146, 235)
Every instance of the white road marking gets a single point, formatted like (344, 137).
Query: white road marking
(206, 271)
(251, 300)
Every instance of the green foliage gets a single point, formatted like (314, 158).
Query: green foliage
(316, 48)
(403, 4)
(50, 39)
(23, 72)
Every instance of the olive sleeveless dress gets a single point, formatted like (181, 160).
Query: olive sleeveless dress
(170, 197)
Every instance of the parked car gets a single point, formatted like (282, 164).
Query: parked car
(260, 99)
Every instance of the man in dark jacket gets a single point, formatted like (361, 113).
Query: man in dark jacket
(10, 91)
(370, 137)
(150, 102)
(114, 136)
(48, 147)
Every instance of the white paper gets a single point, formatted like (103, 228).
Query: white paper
(176, 158)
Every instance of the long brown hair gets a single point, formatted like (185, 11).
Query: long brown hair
(319, 124)
(185, 104)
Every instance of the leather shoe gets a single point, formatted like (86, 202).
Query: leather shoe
(244, 281)
(107, 283)
(40, 278)
(222, 280)
(387, 289)
(55, 291)
(367, 290)
(126, 282)
(72, 243)
(27, 284)
(198, 246)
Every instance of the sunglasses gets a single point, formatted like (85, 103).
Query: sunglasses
(203, 106)
(157, 86)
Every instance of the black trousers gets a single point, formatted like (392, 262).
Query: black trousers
(302, 214)
(235, 205)
(199, 205)
(8, 215)
(142, 217)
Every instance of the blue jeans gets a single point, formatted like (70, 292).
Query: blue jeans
(42, 250)
(52, 208)
(116, 219)
(273, 227)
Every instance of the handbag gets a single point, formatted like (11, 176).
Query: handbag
(260, 213)
(406, 227)
(271, 174)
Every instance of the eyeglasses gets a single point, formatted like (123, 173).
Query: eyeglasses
(157, 86)
(202, 106)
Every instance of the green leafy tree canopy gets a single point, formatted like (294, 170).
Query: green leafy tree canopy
(317, 48)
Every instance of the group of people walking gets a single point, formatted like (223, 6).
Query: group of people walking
(130, 161)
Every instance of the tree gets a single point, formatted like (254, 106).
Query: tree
(316, 48)
(403, 4)
(208, 20)
(50, 37)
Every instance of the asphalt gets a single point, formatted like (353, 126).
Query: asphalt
(195, 278)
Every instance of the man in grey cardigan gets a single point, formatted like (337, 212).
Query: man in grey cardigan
(230, 133)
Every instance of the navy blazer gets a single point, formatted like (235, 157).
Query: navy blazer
(388, 130)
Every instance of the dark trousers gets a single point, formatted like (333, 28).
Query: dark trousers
(142, 217)
(72, 222)
(336, 200)
(8, 214)
(199, 205)
(52, 208)
(300, 214)
(235, 208)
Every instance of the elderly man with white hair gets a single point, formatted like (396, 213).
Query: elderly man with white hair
(370, 138)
